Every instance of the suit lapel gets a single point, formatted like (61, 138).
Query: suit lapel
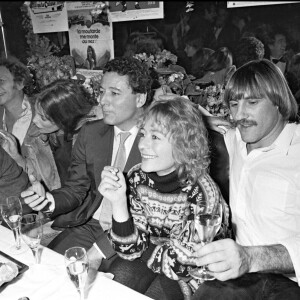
(102, 151)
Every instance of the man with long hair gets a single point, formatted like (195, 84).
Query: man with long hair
(264, 261)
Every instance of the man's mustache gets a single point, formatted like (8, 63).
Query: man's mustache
(244, 122)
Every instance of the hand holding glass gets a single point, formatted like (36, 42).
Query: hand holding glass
(76, 261)
(32, 233)
(11, 211)
(207, 223)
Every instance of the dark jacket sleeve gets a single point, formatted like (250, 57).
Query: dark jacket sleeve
(78, 184)
(13, 180)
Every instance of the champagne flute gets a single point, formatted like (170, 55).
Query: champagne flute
(11, 211)
(76, 262)
(208, 219)
(32, 233)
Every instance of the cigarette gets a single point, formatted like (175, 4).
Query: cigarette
(3, 134)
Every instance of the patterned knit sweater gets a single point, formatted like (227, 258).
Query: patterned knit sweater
(161, 224)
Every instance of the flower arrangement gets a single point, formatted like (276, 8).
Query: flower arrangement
(149, 60)
(50, 68)
(213, 98)
(92, 84)
(38, 44)
(44, 66)
(165, 58)
(161, 59)
(175, 81)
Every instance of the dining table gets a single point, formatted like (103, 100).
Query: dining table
(49, 280)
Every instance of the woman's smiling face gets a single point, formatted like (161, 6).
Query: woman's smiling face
(156, 149)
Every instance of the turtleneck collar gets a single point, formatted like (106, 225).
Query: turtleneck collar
(165, 184)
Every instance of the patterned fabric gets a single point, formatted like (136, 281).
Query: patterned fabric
(163, 215)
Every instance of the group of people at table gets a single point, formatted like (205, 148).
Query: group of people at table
(136, 175)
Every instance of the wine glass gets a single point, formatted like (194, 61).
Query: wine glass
(76, 262)
(11, 211)
(208, 219)
(32, 233)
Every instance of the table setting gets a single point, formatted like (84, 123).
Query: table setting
(37, 272)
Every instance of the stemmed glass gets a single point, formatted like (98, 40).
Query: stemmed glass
(11, 211)
(77, 265)
(208, 219)
(32, 233)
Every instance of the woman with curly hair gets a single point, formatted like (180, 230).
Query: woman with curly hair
(152, 234)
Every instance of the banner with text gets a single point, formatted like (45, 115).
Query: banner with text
(135, 10)
(90, 34)
(232, 4)
(48, 16)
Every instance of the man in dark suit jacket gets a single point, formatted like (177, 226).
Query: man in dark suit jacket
(13, 180)
(225, 33)
(125, 87)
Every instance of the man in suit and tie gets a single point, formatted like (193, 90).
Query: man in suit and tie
(277, 47)
(78, 207)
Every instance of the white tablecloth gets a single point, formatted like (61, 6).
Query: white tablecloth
(49, 280)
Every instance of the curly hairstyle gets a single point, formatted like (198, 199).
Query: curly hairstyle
(182, 121)
(19, 71)
(259, 79)
(248, 48)
(139, 78)
(65, 103)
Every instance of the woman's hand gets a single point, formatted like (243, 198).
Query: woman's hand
(9, 144)
(113, 185)
(164, 93)
(218, 124)
(113, 188)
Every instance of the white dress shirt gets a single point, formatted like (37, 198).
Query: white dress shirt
(128, 145)
(265, 192)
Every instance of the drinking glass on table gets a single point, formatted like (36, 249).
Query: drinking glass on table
(208, 219)
(11, 211)
(76, 262)
(32, 233)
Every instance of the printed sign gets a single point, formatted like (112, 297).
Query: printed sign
(48, 16)
(232, 4)
(90, 34)
(135, 10)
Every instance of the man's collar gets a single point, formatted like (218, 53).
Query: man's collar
(134, 130)
(282, 143)
(276, 60)
(25, 105)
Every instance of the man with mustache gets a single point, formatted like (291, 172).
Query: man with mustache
(264, 260)
(78, 207)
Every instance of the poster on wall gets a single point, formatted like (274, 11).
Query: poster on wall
(90, 34)
(232, 4)
(135, 10)
(48, 16)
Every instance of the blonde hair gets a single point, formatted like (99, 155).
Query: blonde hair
(182, 122)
